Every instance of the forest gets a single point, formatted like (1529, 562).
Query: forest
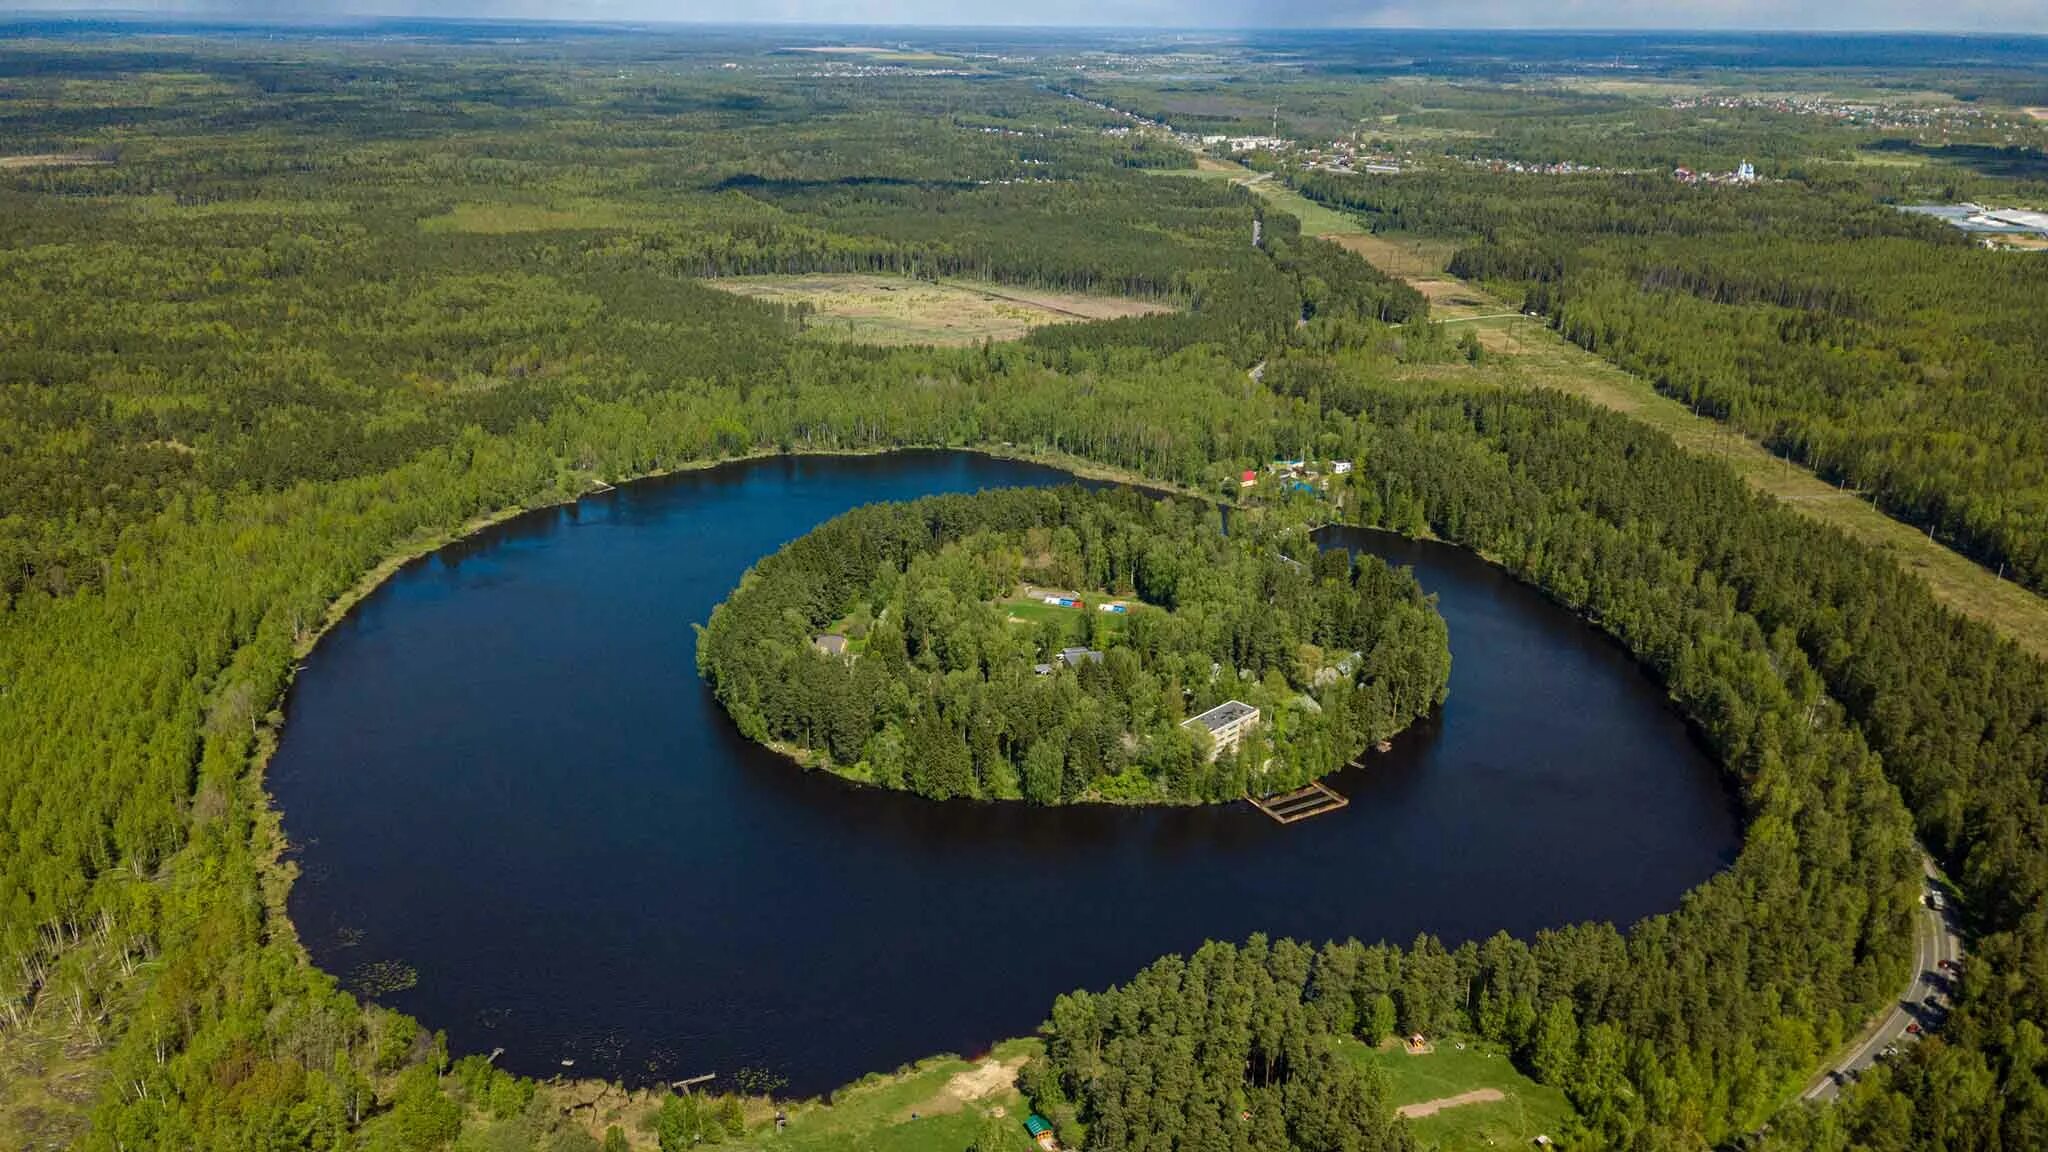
(325, 309)
(954, 681)
(1879, 348)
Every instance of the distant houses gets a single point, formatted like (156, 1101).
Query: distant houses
(1298, 475)
(1226, 725)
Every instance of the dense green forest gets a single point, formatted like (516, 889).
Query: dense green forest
(1877, 347)
(325, 309)
(954, 682)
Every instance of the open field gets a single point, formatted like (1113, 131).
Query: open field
(1421, 262)
(895, 310)
(1316, 220)
(52, 160)
(1032, 612)
(1529, 354)
(49, 1077)
(939, 1105)
(1469, 1099)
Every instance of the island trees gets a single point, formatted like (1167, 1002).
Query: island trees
(1052, 646)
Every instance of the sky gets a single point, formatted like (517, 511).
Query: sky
(2015, 16)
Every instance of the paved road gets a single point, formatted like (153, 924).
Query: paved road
(1934, 940)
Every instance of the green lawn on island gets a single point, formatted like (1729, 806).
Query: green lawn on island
(1526, 1110)
(1031, 612)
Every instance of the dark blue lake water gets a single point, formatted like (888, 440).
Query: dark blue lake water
(503, 771)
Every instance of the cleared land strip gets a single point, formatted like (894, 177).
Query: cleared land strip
(1532, 355)
(1432, 1107)
(880, 309)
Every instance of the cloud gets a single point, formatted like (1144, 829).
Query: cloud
(2008, 16)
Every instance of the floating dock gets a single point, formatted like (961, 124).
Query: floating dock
(1314, 800)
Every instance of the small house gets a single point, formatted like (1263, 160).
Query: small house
(1075, 657)
(1249, 479)
(831, 644)
(1340, 467)
(1040, 1131)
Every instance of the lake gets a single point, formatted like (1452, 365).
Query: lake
(502, 772)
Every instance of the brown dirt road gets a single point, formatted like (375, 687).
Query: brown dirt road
(1432, 1107)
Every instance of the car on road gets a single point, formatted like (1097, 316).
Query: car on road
(1913, 1027)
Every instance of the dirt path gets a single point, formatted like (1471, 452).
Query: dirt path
(1432, 1107)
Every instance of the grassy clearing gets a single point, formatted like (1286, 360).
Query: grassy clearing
(938, 1105)
(1526, 353)
(50, 1075)
(1031, 613)
(1316, 220)
(1524, 1111)
(895, 310)
(52, 160)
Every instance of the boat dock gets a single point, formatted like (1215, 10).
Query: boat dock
(1315, 799)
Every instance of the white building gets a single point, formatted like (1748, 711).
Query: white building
(1226, 725)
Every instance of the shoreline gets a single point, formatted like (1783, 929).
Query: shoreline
(277, 872)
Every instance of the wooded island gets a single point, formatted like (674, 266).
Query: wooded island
(1064, 646)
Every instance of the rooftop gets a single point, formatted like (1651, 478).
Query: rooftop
(1223, 715)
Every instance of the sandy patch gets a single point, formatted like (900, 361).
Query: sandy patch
(2038, 113)
(52, 160)
(1432, 1107)
(989, 1078)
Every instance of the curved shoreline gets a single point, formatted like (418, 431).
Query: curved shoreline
(269, 843)
(381, 572)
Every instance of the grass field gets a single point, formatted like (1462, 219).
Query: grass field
(940, 1105)
(1032, 613)
(1524, 1111)
(895, 310)
(1316, 220)
(1527, 353)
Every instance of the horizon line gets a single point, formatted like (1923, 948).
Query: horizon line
(345, 19)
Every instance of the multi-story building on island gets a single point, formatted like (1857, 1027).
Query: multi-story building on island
(1226, 725)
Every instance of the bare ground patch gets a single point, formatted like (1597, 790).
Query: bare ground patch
(53, 160)
(2038, 113)
(1432, 1107)
(991, 1077)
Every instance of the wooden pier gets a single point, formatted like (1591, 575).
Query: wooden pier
(1314, 800)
